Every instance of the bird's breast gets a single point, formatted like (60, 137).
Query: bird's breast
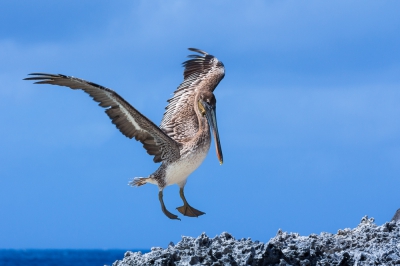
(177, 172)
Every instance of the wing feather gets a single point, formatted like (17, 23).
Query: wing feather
(202, 72)
(125, 117)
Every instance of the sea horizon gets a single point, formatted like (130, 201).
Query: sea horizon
(62, 257)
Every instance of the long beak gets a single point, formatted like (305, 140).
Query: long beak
(212, 121)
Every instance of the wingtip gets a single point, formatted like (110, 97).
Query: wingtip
(42, 76)
(197, 51)
(38, 76)
(30, 74)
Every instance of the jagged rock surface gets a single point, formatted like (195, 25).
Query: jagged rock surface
(367, 244)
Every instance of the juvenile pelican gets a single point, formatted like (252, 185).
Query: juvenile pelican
(183, 139)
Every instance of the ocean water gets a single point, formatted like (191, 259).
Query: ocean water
(61, 257)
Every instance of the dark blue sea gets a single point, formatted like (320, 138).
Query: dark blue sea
(61, 257)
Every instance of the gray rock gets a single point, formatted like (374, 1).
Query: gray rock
(396, 216)
(367, 244)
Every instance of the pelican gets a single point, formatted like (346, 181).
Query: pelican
(183, 139)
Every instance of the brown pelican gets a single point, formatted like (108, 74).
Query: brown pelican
(183, 139)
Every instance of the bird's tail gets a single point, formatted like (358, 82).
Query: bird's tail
(138, 181)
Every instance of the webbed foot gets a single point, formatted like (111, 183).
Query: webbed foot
(188, 210)
(170, 215)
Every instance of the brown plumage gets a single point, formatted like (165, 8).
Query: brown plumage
(183, 138)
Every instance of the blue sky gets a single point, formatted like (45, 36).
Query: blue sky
(308, 115)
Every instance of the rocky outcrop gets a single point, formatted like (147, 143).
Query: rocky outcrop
(367, 244)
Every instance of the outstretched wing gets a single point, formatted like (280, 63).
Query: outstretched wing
(127, 119)
(202, 72)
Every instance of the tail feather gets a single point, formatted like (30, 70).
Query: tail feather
(138, 181)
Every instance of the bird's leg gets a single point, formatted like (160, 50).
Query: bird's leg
(165, 211)
(186, 209)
